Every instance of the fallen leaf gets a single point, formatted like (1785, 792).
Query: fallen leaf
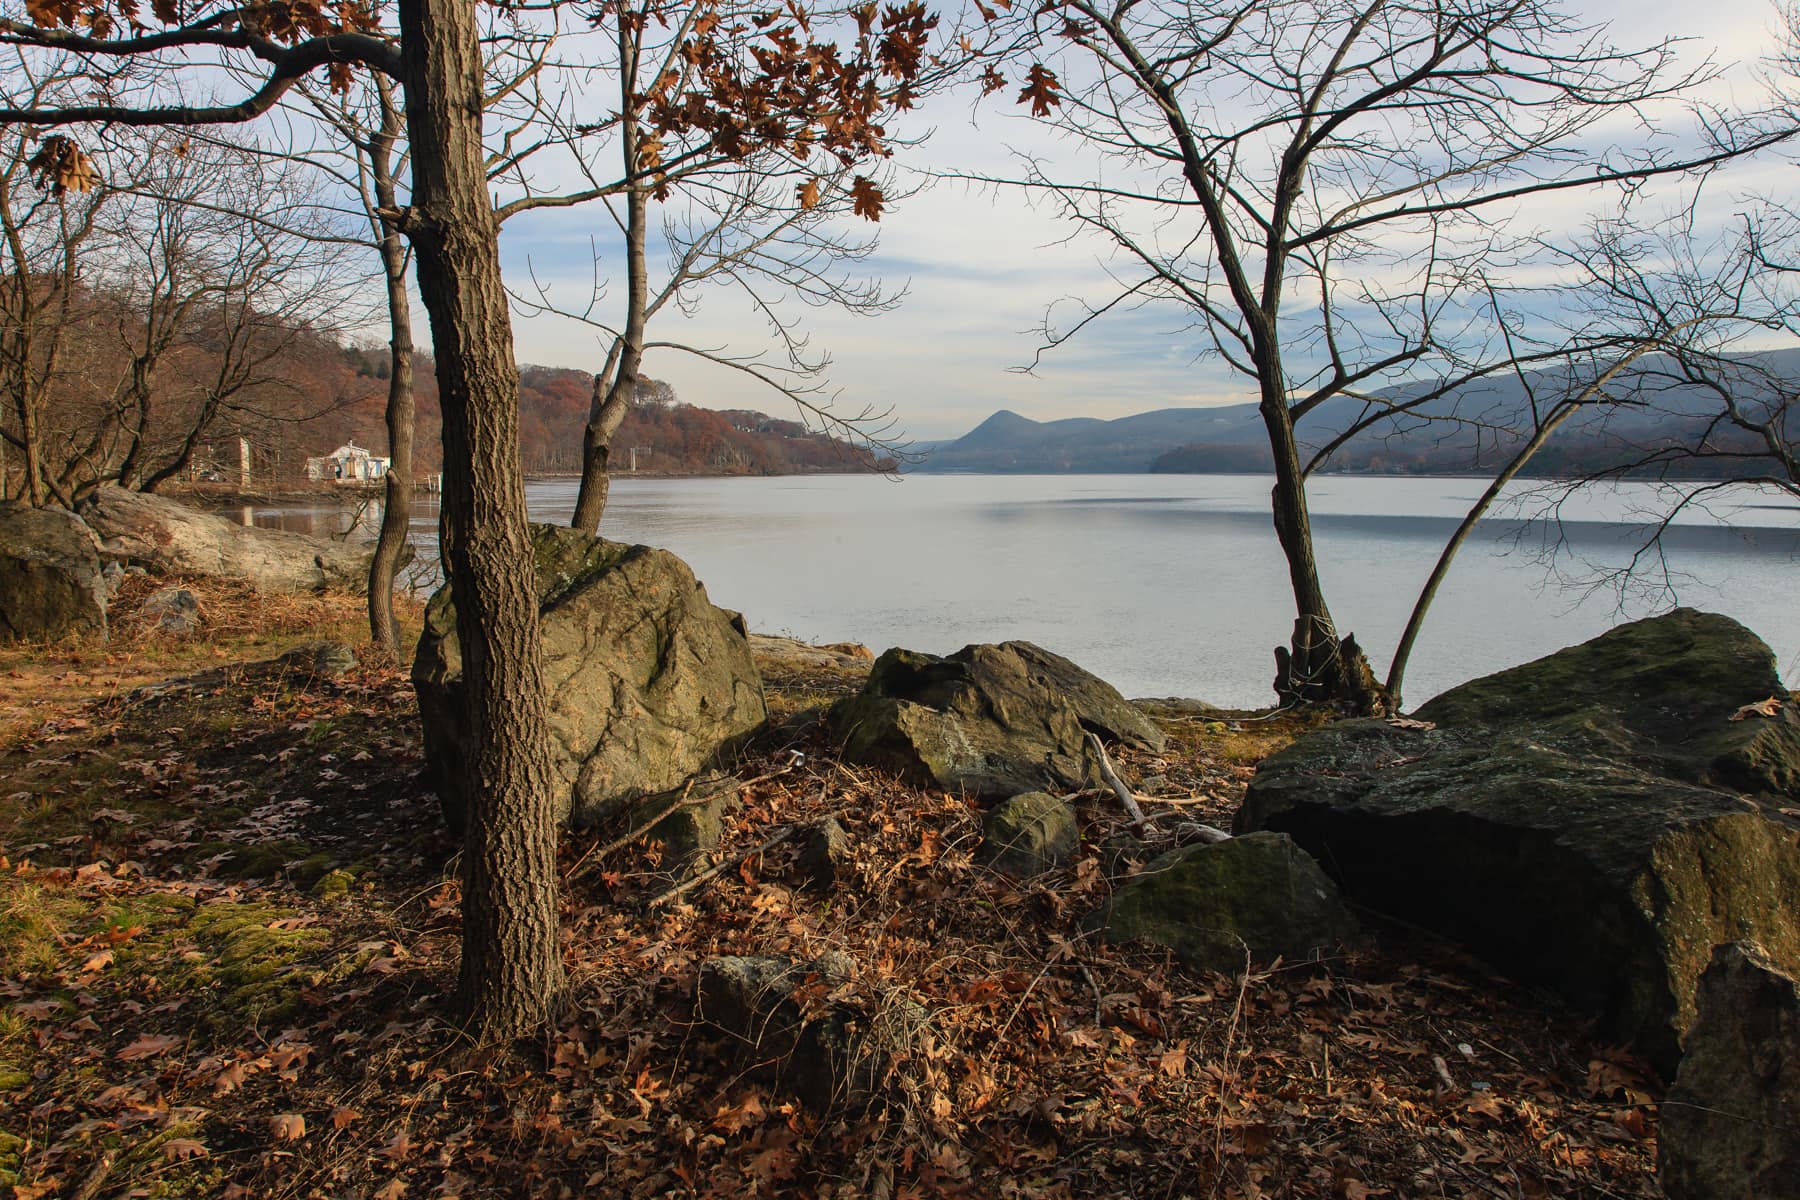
(287, 1127)
(343, 1118)
(96, 962)
(1762, 708)
(177, 1149)
(148, 1046)
(393, 1189)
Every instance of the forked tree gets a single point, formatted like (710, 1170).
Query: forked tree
(1333, 190)
(511, 975)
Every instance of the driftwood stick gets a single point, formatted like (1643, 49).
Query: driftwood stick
(1116, 784)
(1190, 832)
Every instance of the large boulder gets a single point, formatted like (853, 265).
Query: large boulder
(51, 585)
(1257, 896)
(1575, 820)
(1666, 694)
(1731, 1124)
(169, 538)
(989, 720)
(646, 678)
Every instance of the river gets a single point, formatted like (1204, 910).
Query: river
(1173, 584)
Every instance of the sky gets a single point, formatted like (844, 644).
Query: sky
(981, 267)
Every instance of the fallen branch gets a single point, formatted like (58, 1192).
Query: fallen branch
(1116, 784)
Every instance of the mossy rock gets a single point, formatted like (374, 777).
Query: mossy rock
(1660, 693)
(12, 1157)
(1258, 896)
(1029, 834)
(334, 884)
(1576, 821)
(258, 970)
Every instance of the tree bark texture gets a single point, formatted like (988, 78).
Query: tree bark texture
(511, 978)
(396, 512)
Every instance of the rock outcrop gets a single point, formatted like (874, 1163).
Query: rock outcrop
(169, 538)
(1258, 896)
(1731, 1125)
(1577, 820)
(992, 721)
(51, 584)
(646, 677)
(793, 654)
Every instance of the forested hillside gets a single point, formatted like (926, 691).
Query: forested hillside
(670, 436)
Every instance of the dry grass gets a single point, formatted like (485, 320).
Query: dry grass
(237, 623)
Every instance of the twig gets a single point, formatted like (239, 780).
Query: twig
(1099, 1000)
(96, 1178)
(582, 866)
(774, 839)
(1116, 784)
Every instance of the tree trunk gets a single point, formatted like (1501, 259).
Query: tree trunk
(607, 413)
(511, 978)
(19, 355)
(1317, 667)
(396, 512)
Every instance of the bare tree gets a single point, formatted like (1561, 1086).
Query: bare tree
(367, 121)
(750, 233)
(511, 976)
(752, 210)
(47, 234)
(1331, 188)
(1707, 414)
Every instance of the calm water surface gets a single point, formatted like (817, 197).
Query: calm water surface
(1173, 584)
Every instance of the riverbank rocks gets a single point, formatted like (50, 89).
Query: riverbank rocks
(793, 654)
(801, 1024)
(51, 585)
(169, 538)
(1578, 821)
(1730, 1127)
(170, 610)
(1028, 834)
(1258, 896)
(989, 720)
(647, 679)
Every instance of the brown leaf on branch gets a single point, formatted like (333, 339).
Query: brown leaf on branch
(808, 193)
(1041, 89)
(59, 166)
(865, 198)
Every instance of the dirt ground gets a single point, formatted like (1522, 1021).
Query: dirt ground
(228, 924)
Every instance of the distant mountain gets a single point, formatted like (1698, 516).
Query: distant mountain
(1470, 432)
(1009, 443)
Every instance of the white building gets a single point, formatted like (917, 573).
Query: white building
(349, 463)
